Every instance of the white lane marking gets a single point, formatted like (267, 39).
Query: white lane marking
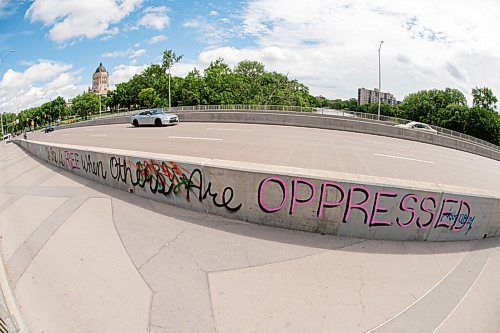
(387, 144)
(403, 158)
(228, 129)
(98, 135)
(193, 138)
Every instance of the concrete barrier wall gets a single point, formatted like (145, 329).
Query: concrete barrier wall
(309, 200)
(315, 121)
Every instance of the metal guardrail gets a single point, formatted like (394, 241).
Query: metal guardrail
(342, 113)
(440, 130)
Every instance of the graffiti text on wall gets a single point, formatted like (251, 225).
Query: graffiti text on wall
(378, 209)
(168, 177)
(75, 161)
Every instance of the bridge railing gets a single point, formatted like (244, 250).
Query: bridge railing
(341, 113)
(440, 130)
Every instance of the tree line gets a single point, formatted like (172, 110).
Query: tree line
(445, 108)
(247, 83)
(250, 83)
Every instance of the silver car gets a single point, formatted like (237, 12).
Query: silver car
(414, 125)
(154, 117)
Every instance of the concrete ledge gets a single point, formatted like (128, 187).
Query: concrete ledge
(305, 119)
(293, 198)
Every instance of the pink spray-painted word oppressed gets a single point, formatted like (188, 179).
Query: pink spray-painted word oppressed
(378, 208)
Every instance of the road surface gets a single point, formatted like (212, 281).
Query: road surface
(319, 149)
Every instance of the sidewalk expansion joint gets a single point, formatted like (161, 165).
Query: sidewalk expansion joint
(125, 248)
(285, 260)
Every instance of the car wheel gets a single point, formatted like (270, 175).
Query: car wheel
(135, 123)
(158, 122)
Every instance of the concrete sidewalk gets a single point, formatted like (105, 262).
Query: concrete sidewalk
(83, 257)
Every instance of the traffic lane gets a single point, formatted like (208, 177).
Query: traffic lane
(311, 148)
(275, 145)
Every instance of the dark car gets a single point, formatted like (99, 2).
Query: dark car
(49, 129)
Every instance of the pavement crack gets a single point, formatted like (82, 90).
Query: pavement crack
(199, 266)
(158, 326)
(435, 259)
(323, 323)
(161, 249)
(361, 295)
(247, 258)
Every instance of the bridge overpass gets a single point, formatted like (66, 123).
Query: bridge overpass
(85, 255)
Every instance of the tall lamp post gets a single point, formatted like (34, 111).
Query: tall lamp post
(379, 79)
(169, 59)
(1, 112)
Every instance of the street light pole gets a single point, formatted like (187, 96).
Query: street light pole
(169, 103)
(379, 79)
(169, 59)
(1, 112)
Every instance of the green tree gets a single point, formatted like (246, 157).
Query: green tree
(86, 104)
(148, 96)
(218, 83)
(453, 117)
(484, 98)
(248, 82)
(59, 107)
(425, 105)
(192, 89)
(122, 96)
(385, 109)
(483, 123)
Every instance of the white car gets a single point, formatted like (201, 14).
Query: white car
(154, 117)
(414, 125)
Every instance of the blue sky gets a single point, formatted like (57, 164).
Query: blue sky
(330, 45)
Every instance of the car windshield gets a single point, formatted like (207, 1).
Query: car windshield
(156, 111)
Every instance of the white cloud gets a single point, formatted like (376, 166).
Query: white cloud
(137, 53)
(212, 32)
(332, 46)
(183, 68)
(10, 7)
(122, 73)
(80, 19)
(157, 39)
(110, 33)
(155, 18)
(130, 53)
(213, 13)
(115, 54)
(39, 83)
(42, 71)
(192, 24)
